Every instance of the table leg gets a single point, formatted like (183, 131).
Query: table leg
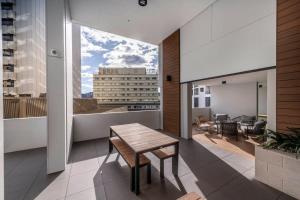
(137, 174)
(110, 146)
(175, 160)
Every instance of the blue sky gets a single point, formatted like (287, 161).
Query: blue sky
(101, 49)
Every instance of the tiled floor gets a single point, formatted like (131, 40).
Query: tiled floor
(212, 172)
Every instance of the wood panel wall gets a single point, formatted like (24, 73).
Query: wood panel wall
(171, 89)
(288, 64)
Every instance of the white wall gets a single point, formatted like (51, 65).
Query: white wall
(24, 133)
(92, 126)
(234, 99)
(69, 78)
(1, 121)
(271, 95)
(262, 99)
(76, 62)
(228, 37)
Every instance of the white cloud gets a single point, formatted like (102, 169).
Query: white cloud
(89, 86)
(127, 51)
(86, 75)
(88, 46)
(85, 67)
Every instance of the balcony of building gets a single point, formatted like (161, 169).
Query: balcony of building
(56, 146)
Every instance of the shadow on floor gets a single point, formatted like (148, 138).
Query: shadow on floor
(91, 173)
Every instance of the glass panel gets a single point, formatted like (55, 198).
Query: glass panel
(196, 102)
(196, 91)
(117, 74)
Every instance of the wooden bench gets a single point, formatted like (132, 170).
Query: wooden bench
(163, 154)
(129, 157)
(190, 196)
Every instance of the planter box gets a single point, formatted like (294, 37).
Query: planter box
(279, 170)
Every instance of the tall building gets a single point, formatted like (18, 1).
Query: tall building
(132, 87)
(9, 47)
(24, 55)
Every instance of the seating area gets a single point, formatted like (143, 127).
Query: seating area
(223, 124)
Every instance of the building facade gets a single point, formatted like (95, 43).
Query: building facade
(24, 55)
(201, 96)
(131, 87)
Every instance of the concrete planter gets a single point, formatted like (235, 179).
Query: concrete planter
(279, 170)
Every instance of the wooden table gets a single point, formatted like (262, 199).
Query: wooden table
(142, 139)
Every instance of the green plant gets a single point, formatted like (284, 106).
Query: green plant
(283, 141)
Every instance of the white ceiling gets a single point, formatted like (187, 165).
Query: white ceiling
(260, 76)
(151, 24)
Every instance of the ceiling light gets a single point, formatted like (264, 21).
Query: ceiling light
(142, 2)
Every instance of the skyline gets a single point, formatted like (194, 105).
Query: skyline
(102, 49)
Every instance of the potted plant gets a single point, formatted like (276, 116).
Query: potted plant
(287, 142)
(277, 160)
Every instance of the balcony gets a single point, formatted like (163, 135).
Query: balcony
(9, 91)
(9, 76)
(92, 173)
(56, 147)
(9, 45)
(9, 14)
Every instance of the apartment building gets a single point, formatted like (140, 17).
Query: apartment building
(201, 96)
(9, 47)
(24, 57)
(132, 87)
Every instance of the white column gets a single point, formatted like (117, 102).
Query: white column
(161, 82)
(186, 110)
(1, 120)
(56, 85)
(271, 99)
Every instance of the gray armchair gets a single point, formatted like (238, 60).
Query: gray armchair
(259, 127)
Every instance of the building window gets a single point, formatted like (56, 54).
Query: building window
(196, 91)
(202, 89)
(7, 37)
(207, 101)
(196, 102)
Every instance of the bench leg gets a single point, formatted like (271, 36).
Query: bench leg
(162, 168)
(175, 160)
(110, 146)
(137, 174)
(149, 173)
(132, 177)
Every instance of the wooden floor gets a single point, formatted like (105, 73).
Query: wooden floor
(244, 146)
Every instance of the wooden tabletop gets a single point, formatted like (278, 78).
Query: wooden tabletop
(141, 138)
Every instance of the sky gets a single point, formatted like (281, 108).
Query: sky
(101, 49)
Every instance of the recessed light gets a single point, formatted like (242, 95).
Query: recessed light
(142, 2)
